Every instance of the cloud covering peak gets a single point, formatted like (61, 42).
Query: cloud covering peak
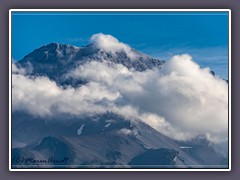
(110, 44)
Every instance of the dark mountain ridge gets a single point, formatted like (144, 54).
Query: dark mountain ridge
(54, 60)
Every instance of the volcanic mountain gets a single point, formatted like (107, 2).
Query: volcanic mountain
(105, 140)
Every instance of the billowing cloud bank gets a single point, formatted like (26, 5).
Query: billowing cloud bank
(181, 100)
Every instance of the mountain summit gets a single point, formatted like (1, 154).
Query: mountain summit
(55, 59)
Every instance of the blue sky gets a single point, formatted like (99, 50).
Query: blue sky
(203, 35)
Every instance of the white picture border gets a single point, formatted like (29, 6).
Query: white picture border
(120, 10)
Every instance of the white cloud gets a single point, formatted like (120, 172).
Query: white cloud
(181, 100)
(41, 96)
(17, 70)
(109, 43)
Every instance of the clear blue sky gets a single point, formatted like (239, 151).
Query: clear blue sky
(203, 35)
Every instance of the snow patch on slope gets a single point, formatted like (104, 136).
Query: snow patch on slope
(79, 131)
